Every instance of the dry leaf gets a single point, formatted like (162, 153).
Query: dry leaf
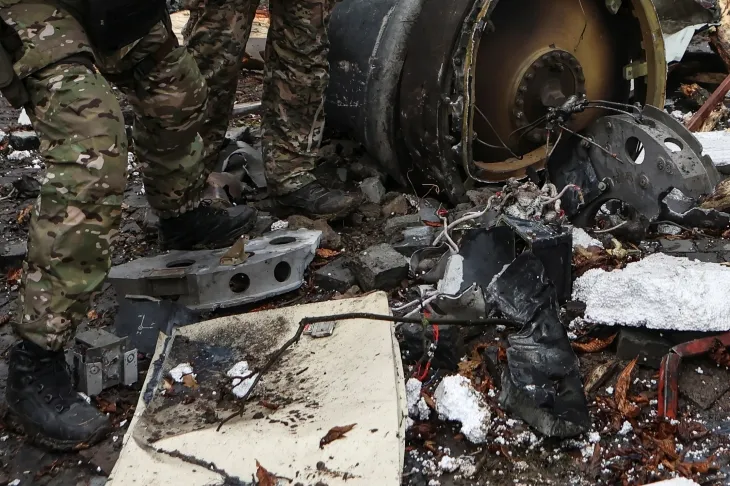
(264, 477)
(594, 345)
(24, 215)
(189, 381)
(269, 405)
(106, 407)
(429, 401)
(334, 434)
(13, 276)
(167, 383)
(92, 315)
(468, 367)
(626, 408)
(327, 254)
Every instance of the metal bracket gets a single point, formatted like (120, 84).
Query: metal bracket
(209, 279)
(636, 69)
(101, 360)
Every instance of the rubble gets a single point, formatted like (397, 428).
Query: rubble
(379, 267)
(648, 346)
(336, 275)
(646, 294)
(414, 239)
(373, 190)
(330, 238)
(398, 206)
(397, 224)
(457, 401)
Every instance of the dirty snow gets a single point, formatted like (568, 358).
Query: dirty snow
(581, 238)
(456, 400)
(181, 370)
(417, 406)
(23, 119)
(19, 155)
(675, 482)
(243, 386)
(658, 292)
(625, 428)
(279, 225)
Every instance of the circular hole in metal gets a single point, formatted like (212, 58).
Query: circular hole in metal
(635, 150)
(180, 263)
(282, 271)
(673, 145)
(239, 283)
(283, 240)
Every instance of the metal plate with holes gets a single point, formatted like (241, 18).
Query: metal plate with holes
(275, 265)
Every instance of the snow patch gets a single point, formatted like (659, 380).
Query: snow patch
(242, 387)
(583, 239)
(625, 428)
(23, 119)
(658, 292)
(279, 225)
(181, 370)
(458, 401)
(19, 155)
(448, 464)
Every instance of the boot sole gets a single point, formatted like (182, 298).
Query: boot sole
(21, 427)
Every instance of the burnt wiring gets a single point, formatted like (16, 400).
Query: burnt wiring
(344, 317)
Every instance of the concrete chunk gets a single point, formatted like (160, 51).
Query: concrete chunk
(414, 239)
(649, 346)
(379, 267)
(373, 190)
(336, 275)
(398, 223)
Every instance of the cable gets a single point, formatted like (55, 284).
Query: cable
(623, 223)
(563, 127)
(497, 134)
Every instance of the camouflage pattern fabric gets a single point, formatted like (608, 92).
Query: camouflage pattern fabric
(296, 76)
(83, 141)
(218, 31)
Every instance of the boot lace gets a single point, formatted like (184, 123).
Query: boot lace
(52, 380)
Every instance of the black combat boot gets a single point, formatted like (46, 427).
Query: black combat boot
(206, 227)
(316, 201)
(41, 397)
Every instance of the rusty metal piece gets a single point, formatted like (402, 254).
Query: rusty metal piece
(669, 371)
(716, 97)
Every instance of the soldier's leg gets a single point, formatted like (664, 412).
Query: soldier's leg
(73, 224)
(77, 214)
(164, 86)
(296, 76)
(218, 43)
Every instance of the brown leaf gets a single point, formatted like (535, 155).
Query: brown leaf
(327, 254)
(189, 381)
(692, 431)
(14, 275)
(594, 345)
(334, 434)
(429, 401)
(92, 315)
(623, 384)
(269, 405)
(167, 384)
(264, 477)
(468, 367)
(24, 215)
(106, 407)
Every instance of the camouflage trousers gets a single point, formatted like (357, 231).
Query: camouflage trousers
(83, 141)
(295, 79)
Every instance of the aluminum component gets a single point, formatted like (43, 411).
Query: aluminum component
(101, 360)
(639, 159)
(197, 279)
